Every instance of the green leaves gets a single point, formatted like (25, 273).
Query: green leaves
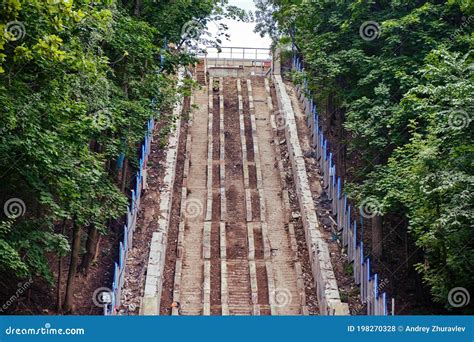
(431, 180)
(10, 260)
(406, 97)
(76, 86)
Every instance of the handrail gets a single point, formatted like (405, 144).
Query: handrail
(371, 288)
(249, 53)
(257, 59)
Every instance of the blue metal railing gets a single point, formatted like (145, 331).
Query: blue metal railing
(370, 287)
(131, 222)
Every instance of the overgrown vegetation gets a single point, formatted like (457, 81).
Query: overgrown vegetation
(394, 84)
(78, 82)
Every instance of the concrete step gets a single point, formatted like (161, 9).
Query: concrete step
(192, 312)
(240, 311)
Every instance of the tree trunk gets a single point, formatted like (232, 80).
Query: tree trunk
(91, 246)
(339, 134)
(137, 7)
(96, 252)
(377, 237)
(59, 302)
(334, 129)
(124, 175)
(339, 137)
(76, 246)
(125, 160)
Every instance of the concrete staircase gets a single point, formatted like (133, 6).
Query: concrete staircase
(201, 73)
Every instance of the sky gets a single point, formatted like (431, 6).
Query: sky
(241, 34)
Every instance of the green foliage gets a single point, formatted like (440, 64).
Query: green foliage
(77, 81)
(431, 175)
(10, 259)
(406, 94)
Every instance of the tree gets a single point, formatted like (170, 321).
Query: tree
(387, 77)
(78, 84)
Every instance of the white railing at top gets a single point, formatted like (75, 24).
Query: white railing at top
(257, 59)
(237, 53)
